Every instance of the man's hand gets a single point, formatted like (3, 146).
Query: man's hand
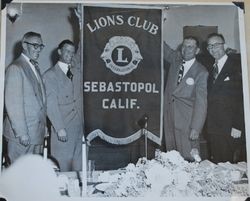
(24, 140)
(194, 135)
(62, 135)
(195, 154)
(78, 12)
(235, 133)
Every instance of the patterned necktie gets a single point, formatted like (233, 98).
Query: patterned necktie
(35, 64)
(180, 74)
(69, 74)
(215, 71)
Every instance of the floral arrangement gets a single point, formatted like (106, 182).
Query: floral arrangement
(170, 175)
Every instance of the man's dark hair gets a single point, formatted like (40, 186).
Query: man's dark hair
(192, 38)
(216, 35)
(69, 42)
(31, 34)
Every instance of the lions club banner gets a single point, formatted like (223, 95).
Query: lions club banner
(123, 80)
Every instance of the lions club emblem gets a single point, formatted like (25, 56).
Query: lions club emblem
(121, 55)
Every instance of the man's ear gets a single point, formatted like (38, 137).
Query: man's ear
(24, 45)
(197, 51)
(59, 52)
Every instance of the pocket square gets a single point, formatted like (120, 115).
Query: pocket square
(227, 79)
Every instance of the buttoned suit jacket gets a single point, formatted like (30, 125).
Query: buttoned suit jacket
(225, 99)
(63, 98)
(25, 103)
(185, 105)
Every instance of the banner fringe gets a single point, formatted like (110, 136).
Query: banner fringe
(121, 141)
(113, 140)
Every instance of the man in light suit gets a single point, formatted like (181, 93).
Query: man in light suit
(185, 103)
(63, 83)
(25, 101)
(225, 117)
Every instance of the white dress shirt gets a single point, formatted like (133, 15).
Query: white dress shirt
(221, 62)
(64, 67)
(187, 65)
(31, 65)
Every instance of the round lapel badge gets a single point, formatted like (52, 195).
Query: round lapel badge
(190, 81)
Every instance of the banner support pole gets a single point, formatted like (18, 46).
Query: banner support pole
(146, 137)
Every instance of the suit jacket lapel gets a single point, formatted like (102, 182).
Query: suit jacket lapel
(224, 72)
(32, 77)
(191, 70)
(41, 85)
(62, 78)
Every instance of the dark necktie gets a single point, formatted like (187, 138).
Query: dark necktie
(215, 71)
(69, 74)
(35, 64)
(180, 74)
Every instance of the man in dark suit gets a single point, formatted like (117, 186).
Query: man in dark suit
(63, 90)
(185, 103)
(225, 116)
(25, 101)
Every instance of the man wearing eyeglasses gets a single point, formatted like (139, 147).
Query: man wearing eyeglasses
(25, 100)
(185, 103)
(225, 116)
(63, 82)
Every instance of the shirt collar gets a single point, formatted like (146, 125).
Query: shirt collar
(221, 62)
(27, 59)
(189, 63)
(30, 64)
(63, 66)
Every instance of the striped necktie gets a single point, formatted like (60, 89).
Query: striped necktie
(180, 74)
(34, 63)
(215, 71)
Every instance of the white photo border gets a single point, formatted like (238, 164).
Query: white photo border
(245, 57)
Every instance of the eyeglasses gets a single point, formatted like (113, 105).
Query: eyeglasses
(36, 45)
(215, 45)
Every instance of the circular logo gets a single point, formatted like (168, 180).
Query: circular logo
(121, 55)
(190, 81)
